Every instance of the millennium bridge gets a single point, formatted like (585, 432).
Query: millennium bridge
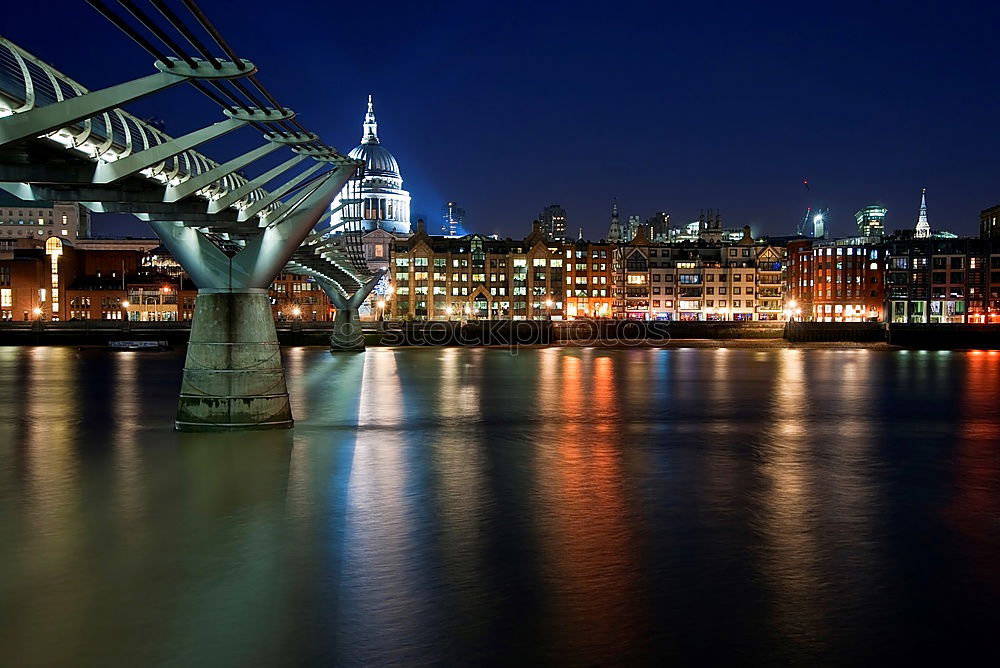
(230, 233)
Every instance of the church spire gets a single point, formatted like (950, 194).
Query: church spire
(615, 230)
(923, 227)
(370, 135)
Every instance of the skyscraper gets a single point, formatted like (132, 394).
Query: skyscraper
(659, 226)
(553, 219)
(452, 220)
(871, 221)
(631, 231)
(923, 229)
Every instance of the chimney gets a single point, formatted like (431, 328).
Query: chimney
(420, 226)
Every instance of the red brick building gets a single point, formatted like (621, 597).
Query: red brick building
(836, 281)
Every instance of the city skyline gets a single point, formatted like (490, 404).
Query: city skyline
(666, 110)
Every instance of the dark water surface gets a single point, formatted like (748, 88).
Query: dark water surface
(467, 506)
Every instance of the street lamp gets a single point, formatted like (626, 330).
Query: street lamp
(296, 312)
(448, 311)
(381, 309)
(548, 308)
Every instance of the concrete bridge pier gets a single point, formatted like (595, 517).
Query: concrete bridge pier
(347, 334)
(233, 377)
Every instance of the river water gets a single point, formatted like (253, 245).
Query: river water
(470, 506)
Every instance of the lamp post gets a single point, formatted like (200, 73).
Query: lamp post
(792, 309)
(381, 309)
(548, 309)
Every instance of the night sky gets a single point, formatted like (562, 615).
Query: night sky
(508, 107)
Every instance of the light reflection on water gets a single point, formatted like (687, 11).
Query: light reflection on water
(443, 505)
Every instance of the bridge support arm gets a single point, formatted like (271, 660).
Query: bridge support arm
(43, 120)
(267, 253)
(196, 183)
(231, 198)
(109, 172)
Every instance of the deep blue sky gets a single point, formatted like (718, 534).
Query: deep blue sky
(510, 106)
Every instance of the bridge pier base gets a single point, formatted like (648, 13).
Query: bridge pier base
(347, 335)
(233, 378)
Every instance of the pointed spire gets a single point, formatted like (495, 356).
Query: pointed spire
(370, 132)
(923, 227)
(615, 230)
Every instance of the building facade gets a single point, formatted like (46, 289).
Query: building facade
(871, 221)
(40, 220)
(835, 281)
(553, 220)
(943, 281)
(476, 277)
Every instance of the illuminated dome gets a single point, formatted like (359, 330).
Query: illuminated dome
(378, 160)
(376, 199)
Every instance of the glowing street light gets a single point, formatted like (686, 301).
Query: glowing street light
(296, 312)
(125, 304)
(36, 311)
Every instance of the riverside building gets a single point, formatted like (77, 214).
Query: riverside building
(932, 280)
(835, 281)
(436, 277)
(477, 277)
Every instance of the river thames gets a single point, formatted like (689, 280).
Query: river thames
(470, 506)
